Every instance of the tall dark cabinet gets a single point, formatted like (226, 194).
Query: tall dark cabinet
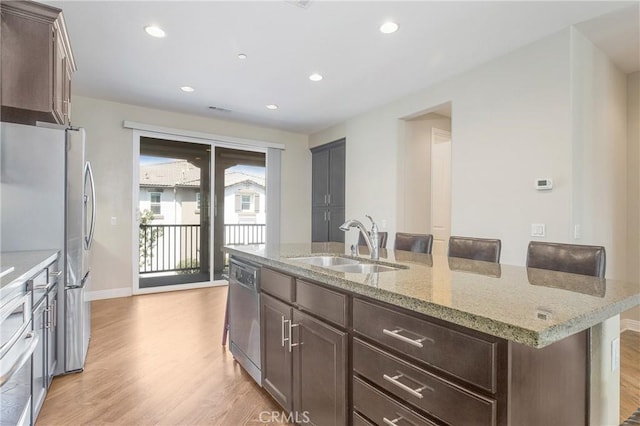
(328, 194)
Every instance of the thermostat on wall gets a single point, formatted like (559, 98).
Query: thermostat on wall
(542, 184)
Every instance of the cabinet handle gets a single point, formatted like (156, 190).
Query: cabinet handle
(415, 392)
(395, 421)
(284, 321)
(54, 312)
(329, 215)
(329, 196)
(415, 342)
(47, 323)
(291, 325)
(325, 199)
(56, 275)
(325, 215)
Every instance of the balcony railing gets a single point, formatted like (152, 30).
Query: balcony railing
(176, 248)
(244, 234)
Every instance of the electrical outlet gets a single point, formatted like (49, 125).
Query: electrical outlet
(537, 229)
(615, 354)
(114, 220)
(383, 224)
(577, 232)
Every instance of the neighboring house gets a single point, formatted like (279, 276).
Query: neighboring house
(244, 199)
(172, 192)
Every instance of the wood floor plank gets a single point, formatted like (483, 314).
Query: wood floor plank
(156, 360)
(629, 373)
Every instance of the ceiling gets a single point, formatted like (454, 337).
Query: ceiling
(285, 43)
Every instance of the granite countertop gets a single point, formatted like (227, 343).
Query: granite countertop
(534, 307)
(25, 264)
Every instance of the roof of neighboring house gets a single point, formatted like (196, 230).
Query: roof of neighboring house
(184, 174)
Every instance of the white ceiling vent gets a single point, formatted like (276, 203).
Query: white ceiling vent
(300, 3)
(218, 109)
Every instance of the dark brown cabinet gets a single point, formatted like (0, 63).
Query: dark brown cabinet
(328, 191)
(304, 364)
(319, 371)
(276, 357)
(332, 357)
(37, 64)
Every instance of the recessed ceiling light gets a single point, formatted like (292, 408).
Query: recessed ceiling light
(242, 56)
(272, 106)
(315, 77)
(187, 89)
(388, 27)
(154, 31)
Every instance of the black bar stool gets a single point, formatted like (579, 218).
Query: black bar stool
(572, 258)
(417, 243)
(485, 249)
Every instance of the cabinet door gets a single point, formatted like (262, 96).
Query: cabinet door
(39, 379)
(337, 167)
(319, 371)
(320, 178)
(52, 334)
(276, 357)
(319, 224)
(336, 218)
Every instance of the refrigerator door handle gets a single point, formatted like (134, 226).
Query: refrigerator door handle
(88, 239)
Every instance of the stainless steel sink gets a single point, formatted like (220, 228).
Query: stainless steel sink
(326, 261)
(363, 268)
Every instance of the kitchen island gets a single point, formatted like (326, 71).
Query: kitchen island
(504, 344)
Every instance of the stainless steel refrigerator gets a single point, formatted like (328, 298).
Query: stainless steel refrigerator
(47, 201)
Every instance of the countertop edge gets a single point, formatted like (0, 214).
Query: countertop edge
(16, 281)
(482, 324)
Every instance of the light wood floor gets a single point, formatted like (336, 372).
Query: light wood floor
(157, 359)
(629, 373)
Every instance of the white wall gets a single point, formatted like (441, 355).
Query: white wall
(510, 125)
(633, 201)
(513, 120)
(109, 147)
(414, 179)
(599, 93)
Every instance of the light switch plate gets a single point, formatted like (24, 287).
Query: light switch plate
(537, 230)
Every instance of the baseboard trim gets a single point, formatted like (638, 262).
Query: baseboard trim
(629, 325)
(109, 294)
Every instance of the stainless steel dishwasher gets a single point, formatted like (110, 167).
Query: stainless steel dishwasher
(244, 316)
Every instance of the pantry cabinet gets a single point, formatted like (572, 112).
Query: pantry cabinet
(37, 64)
(328, 191)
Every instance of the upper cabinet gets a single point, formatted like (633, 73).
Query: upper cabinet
(328, 194)
(37, 64)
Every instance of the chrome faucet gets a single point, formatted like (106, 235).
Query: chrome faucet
(370, 239)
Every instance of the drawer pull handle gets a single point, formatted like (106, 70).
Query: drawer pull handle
(291, 344)
(415, 392)
(284, 339)
(396, 335)
(393, 422)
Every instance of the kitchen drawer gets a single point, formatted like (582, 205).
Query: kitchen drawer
(358, 420)
(383, 410)
(465, 356)
(436, 396)
(322, 302)
(277, 284)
